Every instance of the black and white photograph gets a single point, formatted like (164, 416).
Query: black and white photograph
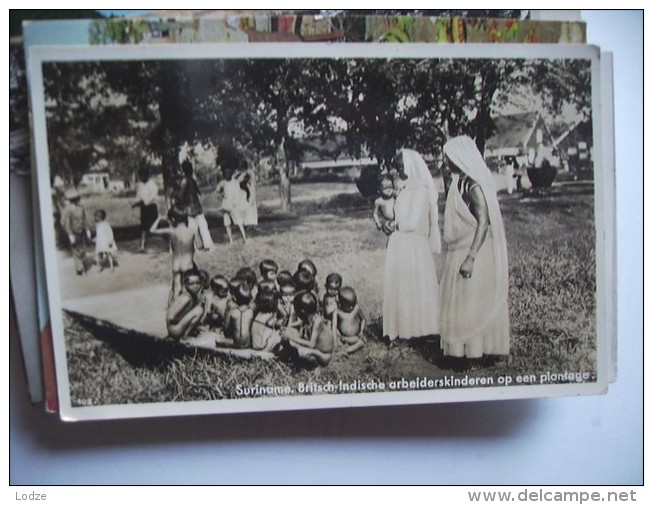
(245, 227)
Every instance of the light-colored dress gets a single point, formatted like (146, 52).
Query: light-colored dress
(410, 294)
(104, 241)
(234, 200)
(472, 321)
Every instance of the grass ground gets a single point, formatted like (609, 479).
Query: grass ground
(551, 299)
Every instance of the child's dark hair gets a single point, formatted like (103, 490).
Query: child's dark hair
(305, 304)
(228, 157)
(187, 167)
(219, 285)
(284, 278)
(266, 266)
(192, 273)
(333, 280)
(382, 179)
(234, 282)
(347, 297)
(243, 294)
(303, 280)
(176, 216)
(206, 278)
(249, 275)
(269, 286)
(309, 266)
(101, 213)
(266, 301)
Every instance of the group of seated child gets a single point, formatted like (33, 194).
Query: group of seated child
(264, 315)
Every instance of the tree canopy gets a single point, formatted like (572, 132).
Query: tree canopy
(128, 113)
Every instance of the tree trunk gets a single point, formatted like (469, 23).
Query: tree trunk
(283, 168)
(284, 189)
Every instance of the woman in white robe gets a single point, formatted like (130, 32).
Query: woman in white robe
(474, 284)
(410, 295)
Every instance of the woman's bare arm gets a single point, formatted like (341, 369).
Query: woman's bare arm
(480, 211)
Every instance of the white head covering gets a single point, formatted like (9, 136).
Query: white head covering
(419, 176)
(463, 153)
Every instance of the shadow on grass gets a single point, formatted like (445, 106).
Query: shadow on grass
(138, 349)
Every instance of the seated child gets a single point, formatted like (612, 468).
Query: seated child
(349, 321)
(249, 276)
(234, 284)
(314, 340)
(308, 266)
(265, 332)
(284, 278)
(304, 281)
(185, 312)
(105, 244)
(269, 270)
(330, 300)
(286, 314)
(215, 307)
(384, 205)
(238, 322)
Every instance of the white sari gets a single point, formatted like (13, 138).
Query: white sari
(473, 312)
(410, 295)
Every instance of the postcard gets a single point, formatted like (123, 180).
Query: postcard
(251, 227)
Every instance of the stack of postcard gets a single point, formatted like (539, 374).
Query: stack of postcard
(228, 218)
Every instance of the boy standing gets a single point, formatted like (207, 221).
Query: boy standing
(77, 228)
(182, 245)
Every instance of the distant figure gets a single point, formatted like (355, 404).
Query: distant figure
(189, 200)
(147, 192)
(182, 245)
(314, 341)
(234, 198)
(384, 205)
(73, 219)
(105, 244)
(248, 184)
(349, 321)
(185, 312)
(509, 175)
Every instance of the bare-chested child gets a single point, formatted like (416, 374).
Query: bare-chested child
(238, 322)
(285, 308)
(185, 312)
(349, 321)
(330, 300)
(314, 340)
(265, 327)
(384, 205)
(215, 306)
(182, 245)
